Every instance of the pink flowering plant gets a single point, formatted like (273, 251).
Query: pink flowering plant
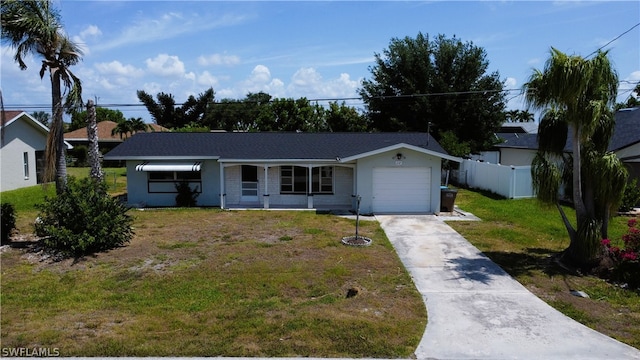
(626, 260)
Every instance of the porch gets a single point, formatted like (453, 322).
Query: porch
(320, 187)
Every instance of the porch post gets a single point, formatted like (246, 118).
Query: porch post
(265, 196)
(222, 194)
(309, 194)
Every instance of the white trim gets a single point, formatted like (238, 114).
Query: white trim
(170, 158)
(401, 146)
(146, 166)
(37, 124)
(277, 161)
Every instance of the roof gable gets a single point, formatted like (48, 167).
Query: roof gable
(265, 145)
(13, 116)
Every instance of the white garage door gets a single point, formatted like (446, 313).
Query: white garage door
(401, 190)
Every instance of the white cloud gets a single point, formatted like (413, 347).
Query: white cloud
(259, 80)
(117, 68)
(167, 26)
(90, 31)
(166, 65)
(218, 59)
(510, 83)
(308, 82)
(207, 79)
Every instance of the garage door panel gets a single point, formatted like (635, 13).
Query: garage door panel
(401, 190)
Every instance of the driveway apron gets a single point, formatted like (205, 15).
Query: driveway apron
(476, 310)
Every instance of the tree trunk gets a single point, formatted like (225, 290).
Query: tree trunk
(584, 247)
(94, 152)
(56, 161)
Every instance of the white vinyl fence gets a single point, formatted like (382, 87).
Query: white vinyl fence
(512, 182)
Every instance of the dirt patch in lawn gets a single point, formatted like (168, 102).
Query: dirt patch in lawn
(205, 282)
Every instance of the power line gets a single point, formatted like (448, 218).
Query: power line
(240, 101)
(616, 38)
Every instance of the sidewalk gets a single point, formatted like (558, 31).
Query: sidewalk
(476, 310)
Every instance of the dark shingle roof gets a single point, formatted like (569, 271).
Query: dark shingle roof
(626, 133)
(519, 141)
(264, 145)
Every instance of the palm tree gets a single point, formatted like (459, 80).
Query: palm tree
(525, 116)
(34, 28)
(122, 128)
(577, 95)
(137, 125)
(94, 151)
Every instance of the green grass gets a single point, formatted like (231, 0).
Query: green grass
(523, 236)
(206, 282)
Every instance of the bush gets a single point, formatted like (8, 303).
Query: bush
(8, 221)
(631, 196)
(186, 196)
(626, 261)
(83, 219)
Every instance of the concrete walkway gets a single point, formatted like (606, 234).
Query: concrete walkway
(476, 310)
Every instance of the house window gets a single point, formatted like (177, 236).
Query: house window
(295, 180)
(322, 180)
(165, 181)
(25, 160)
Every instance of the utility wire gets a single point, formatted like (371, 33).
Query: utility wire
(616, 38)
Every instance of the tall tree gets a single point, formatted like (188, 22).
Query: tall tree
(445, 82)
(343, 118)
(95, 171)
(79, 117)
(42, 116)
(577, 95)
(632, 101)
(35, 28)
(166, 112)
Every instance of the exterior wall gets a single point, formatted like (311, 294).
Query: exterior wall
(364, 175)
(342, 196)
(20, 137)
(632, 151)
(517, 157)
(138, 193)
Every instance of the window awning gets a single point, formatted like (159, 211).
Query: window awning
(147, 166)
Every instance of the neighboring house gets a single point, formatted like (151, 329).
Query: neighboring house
(107, 140)
(518, 149)
(22, 150)
(389, 172)
(626, 140)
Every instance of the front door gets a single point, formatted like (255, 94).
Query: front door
(249, 190)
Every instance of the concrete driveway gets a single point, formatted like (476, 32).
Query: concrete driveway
(476, 310)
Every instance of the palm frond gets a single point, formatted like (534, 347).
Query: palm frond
(546, 175)
(552, 131)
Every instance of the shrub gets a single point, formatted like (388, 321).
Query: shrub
(631, 196)
(626, 261)
(83, 219)
(8, 221)
(186, 196)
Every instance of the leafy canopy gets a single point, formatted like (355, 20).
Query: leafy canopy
(440, 84)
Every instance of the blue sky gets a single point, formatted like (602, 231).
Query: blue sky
(313, 49)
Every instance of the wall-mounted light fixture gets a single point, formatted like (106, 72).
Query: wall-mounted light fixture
(399, 156)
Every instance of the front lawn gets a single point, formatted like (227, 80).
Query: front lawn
(205, 282)
(523, 235)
